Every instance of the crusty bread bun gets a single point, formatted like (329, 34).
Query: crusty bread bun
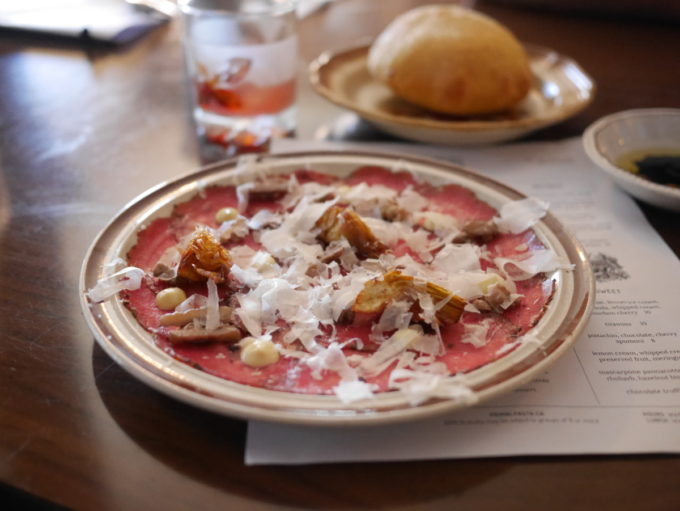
(452, 60)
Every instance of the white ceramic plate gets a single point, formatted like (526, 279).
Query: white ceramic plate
(613, 136)
(133, 348)
(560, 90)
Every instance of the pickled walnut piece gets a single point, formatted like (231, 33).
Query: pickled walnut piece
(394, 286)
(203, 259)
(339, 221)
(227, 333)
(478, 230)
(184, 318)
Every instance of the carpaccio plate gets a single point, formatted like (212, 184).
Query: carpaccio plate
(129, 344)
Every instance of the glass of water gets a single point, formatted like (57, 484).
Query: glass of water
(241, 58)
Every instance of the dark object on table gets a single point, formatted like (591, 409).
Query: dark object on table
(664, 170)
(660, 10)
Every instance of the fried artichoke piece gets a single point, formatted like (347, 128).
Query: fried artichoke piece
(330, 224)
(452, 307)
(339, 221)
(204, 258)
(378, 293)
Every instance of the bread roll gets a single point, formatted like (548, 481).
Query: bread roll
(451, 60)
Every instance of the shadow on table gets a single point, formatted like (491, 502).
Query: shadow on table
(349, 127)
(209, 448)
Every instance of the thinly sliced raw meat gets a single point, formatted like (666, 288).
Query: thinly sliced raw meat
(381, 176)
(288, 374)
(457, 201)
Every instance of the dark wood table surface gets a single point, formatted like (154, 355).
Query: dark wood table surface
(84, 129)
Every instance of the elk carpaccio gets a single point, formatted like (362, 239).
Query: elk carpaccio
(316, 284)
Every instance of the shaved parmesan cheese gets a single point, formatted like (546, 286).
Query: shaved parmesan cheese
(467, 284)
(386, 232)
(265, 264)
(439, 223)
(476, 334)
(241, 255)
(129, 278)
(333, 359)
(110, 268)
(518, 216)
(312, 191)
(366, 199)
(247, 169)
(389, 350)
(427, 344)
(264, 218)
(419, 386)
(411, 201)
(539, 261)
(457, 258)
(232, 228)
(294, 235)
(212, 316)
(250, 313)
(352, 391)
(243, 195)
(396, 316)
(195, 301)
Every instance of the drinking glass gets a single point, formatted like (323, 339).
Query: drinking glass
(241, 58)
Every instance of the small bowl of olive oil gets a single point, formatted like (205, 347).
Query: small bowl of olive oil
(640, 150)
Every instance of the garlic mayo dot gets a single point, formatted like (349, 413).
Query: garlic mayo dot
(170, 297)
(226, 214)
(258, 352)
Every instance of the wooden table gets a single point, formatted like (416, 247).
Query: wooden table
(84, 130)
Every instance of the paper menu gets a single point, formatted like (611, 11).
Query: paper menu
(616, 391)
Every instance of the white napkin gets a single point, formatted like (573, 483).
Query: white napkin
(112, 21)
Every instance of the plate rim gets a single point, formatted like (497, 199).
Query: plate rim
(320, 64)
(183, 390)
